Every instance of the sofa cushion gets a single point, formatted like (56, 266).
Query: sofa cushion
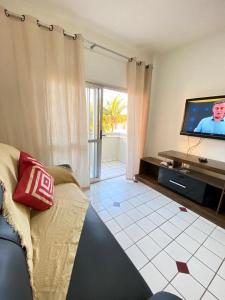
(35, 186)
(55, 236)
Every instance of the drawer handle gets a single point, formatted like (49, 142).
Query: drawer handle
(181, 185)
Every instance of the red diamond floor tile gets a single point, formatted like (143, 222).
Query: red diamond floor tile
(184, 209)
(182, 267)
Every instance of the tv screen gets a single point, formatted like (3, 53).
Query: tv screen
(205, 117)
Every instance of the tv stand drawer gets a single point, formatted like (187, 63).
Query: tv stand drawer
(182, 184)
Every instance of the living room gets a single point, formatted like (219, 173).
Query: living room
(148, 220)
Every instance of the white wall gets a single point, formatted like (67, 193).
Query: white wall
(123, 149)
(106, 68)
(103, 69)
(197, 70)
(110, 148)
(114, 148)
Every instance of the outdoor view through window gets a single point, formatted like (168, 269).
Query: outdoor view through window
(114, 127)
(114, 115)
(107, 111)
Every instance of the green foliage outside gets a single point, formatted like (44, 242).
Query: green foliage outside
(113, 114)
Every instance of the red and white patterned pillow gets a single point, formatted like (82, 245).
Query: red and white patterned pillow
(35, 186)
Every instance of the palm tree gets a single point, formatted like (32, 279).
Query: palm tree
(113, 114)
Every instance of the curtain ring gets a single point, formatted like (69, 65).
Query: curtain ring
(130, 59)
(22, 19)
(49, 27)
(6, 13)
(73, 36)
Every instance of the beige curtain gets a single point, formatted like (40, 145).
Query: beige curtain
(42, 93)
(139, 81)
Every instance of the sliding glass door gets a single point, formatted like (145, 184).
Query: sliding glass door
(94, 108)
(107, 113)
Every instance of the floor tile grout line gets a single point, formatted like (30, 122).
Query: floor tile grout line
(215, 274)
(138, 219)
(166, 220)
(173, 239)
(214, 238)
(170, 282)
(203, 262)
(122, 229)
(206, 290)
(149, 260)
(125, 190)
(155, 211)
(176, 214)
(194, 238)
(163, 249)
(211, 250)
(201, 245)
(116, 175)
(135, 222)
(127, 199)
(177, 290)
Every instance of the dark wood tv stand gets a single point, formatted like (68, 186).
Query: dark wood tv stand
(193, 183)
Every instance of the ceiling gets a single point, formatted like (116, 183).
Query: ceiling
(155, 25)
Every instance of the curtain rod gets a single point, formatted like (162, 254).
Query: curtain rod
(74, 36)
(106, 49)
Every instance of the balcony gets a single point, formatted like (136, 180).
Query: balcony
(114, 150)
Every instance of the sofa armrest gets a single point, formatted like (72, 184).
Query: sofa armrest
(164, 296)
(14, 276)
(66, 166)
(62, 174)
(6, 230)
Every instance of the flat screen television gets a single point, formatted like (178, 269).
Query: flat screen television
(205, 117)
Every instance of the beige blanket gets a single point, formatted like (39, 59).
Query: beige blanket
(55, 236)
(55, 232)
(16, 214)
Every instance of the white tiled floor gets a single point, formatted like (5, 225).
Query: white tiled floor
(156, 234)
(112, 169)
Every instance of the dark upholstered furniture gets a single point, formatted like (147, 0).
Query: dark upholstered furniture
(102, 270)
(14, 277)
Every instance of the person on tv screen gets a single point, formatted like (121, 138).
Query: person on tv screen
(214, 124)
